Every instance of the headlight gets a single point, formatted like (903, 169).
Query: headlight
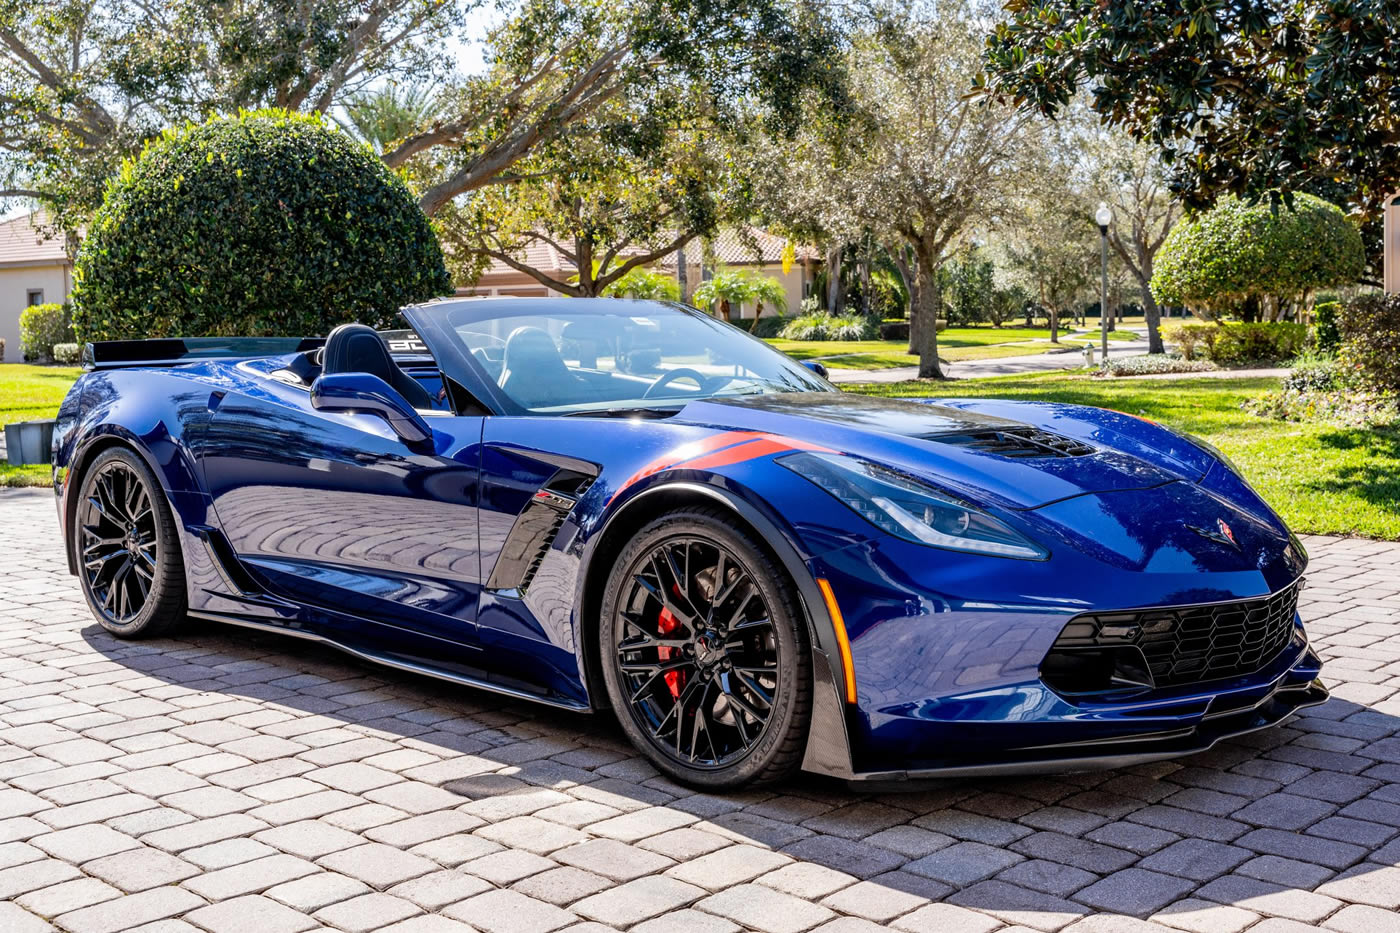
(910, 510)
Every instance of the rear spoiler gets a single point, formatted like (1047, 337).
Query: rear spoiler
(172, 351)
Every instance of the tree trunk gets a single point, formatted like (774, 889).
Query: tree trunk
(1153, 314)
(682, 273)
(1054, 325)
(930, 302)
(911, 284)
(724, 309)
(833, 280)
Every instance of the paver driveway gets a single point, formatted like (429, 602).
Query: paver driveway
(229, 781)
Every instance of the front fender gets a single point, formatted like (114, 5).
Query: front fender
(828, 749)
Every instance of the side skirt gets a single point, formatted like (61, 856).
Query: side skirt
(397, 663)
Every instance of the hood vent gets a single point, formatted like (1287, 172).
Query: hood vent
(1018, 443)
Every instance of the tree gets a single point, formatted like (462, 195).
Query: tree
(631, 186)
(925, 163)
(1254, 99)
(1054, 253)
(647, 285)
(721, 292)
(83, 84)
(1239, 258)
(1130, 178)
(385, 115)
(265, 224)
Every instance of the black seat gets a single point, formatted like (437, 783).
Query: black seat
(355, 348)
(534, 373)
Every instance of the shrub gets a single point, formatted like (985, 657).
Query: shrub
(1216, 260)
(1155, 364)
(1315, 374)
(42, 326)
(767, 326)
(1326, 337)
(1370, 349)
(1346, 407)
(1237, 344)
(66, 352)
(822, 326)
(260, 224)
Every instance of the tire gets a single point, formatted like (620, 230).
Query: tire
(690, 690)
(129, 561)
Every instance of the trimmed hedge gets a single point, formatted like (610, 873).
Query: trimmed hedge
(42, 326)
(1326, 337)
(1213, 261)
(1237, 344)
(1370, 351)
(1154, 364)
(823, 326)
(267, 223)
(66, 352)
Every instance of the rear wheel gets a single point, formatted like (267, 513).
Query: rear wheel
(705, 653)
(128, 552)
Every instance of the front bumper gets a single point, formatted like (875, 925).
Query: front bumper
(1121, 734)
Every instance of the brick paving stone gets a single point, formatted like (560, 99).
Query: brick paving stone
(881, 901)
(1197, 859)
(140, 869)
(1360, 918)
(964, 863)
(613, 859)
(309, 839)
(313, 892)
(130, 911)
(1020, 906)
(367, 912)
(227, 852)
(15, 919)
(1198, 916)
(250, 913)
(249, 877)
(34, 875)
(807, 881)
(506, 866)
(1366, 884)
(1271, 899)
(377, 864)
(82, 843)
(856, 858)
(562, 886)
(946, 918)
(764, 909)
(638, 900)
(1134, 891)
(726, 867)
(1049, 877)
(62, 898)
(509, 912)
(440, 888)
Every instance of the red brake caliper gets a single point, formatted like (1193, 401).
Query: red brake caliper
(665, 624)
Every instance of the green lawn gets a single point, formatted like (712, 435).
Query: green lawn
(1322, 479)
(954, 344)
(28, 393)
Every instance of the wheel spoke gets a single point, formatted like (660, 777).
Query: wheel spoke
(754, 688)
(700, 724)
(734, 698)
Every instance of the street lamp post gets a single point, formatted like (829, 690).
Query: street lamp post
(1103, 217)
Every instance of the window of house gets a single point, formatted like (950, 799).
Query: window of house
(36, 297)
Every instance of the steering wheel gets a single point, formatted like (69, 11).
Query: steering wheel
(670, 376)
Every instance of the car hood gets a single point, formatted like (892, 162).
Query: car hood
(1016, 455)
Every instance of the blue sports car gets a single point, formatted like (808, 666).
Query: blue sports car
(595, 503)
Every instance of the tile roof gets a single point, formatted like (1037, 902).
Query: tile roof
(22, 242)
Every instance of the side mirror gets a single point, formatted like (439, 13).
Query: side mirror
(815, 367)
(362, 392)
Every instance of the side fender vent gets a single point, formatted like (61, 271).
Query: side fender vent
(1017, 443)
(534, 531)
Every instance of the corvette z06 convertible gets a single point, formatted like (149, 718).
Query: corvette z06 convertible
(604, 504)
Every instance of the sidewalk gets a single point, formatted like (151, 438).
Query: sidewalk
(1070, 358)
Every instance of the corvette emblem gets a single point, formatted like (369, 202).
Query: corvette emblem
(1222, 533)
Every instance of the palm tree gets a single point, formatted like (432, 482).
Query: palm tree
(642, 283)
(765, 290)
(721, 290)
(390, 113)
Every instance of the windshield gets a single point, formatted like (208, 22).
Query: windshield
(567, 355)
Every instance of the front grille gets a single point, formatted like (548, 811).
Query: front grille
(1018, 443)
(1181, 645)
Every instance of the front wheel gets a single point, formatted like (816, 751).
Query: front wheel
(128, 552)
(705, 653)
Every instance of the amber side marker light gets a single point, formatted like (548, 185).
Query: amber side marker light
(842, 642)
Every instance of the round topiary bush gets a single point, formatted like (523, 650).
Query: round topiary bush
(1215, 261)
(268, 223)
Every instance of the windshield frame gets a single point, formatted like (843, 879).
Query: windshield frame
(432, 322)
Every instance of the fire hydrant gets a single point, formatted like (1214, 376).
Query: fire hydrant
(1089, 355)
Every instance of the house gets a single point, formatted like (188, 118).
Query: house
(34, 268)
(753, 250)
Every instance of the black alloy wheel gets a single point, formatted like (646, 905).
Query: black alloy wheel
(706, 656)
(128, 556)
